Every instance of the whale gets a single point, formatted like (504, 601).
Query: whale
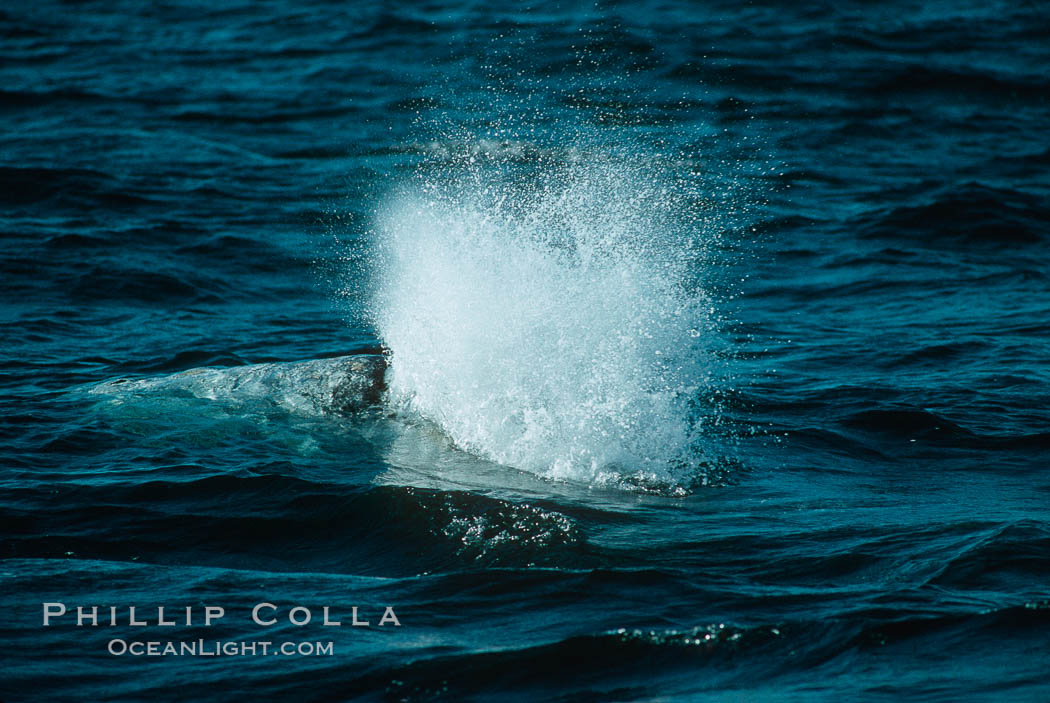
(363, 382)
(340, 384)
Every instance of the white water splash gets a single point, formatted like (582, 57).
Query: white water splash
(553, 322)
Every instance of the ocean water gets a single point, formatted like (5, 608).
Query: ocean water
(638, 351)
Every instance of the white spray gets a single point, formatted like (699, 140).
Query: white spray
(552, 317)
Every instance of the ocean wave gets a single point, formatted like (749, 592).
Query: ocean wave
(66, 187)
(973, 213)
(283, 520)
(711, 659)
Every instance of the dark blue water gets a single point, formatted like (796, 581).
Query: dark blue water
(627, 351)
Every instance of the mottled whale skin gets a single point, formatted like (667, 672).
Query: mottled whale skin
(318, 386)
(363, 384)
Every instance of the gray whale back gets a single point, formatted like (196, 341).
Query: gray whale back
(319, 386)
(364, 380)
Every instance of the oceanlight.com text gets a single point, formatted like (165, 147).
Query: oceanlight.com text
(218, 648)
